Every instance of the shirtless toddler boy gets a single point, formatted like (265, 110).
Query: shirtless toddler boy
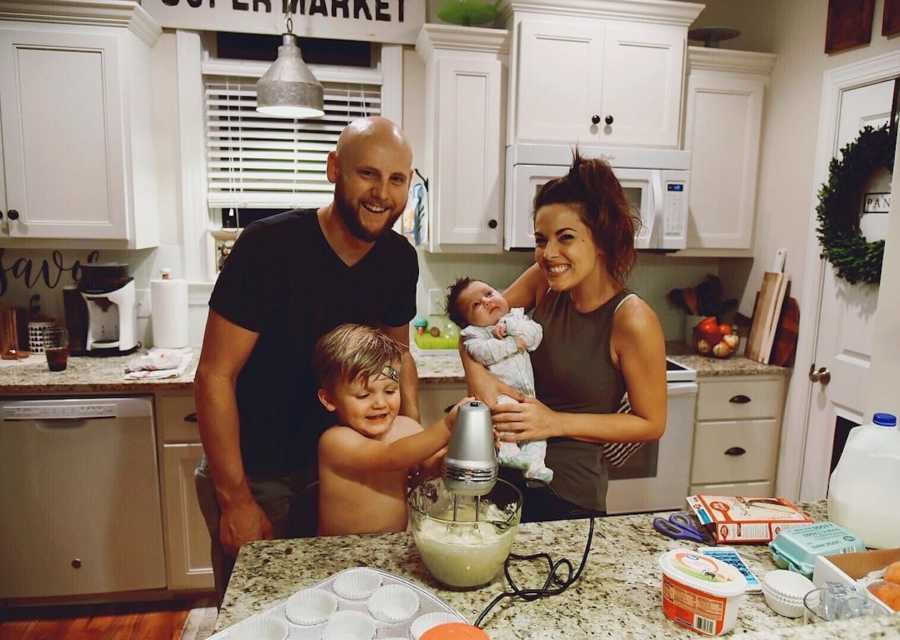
(365, 460)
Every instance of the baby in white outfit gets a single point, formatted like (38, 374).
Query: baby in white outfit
(500, 339)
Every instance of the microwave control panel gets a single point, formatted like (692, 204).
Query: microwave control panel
(675, 205)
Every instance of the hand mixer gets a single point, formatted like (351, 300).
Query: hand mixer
(470, 468)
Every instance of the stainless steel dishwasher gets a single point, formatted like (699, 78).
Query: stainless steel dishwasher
(79, 498)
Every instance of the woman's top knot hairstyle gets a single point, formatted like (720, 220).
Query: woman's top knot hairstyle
(592, 188)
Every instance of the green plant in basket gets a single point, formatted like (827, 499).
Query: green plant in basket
(468, 12)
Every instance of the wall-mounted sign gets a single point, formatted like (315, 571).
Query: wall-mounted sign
(877, 203)
(394, 21)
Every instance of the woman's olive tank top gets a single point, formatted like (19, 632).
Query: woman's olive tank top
(574, 373)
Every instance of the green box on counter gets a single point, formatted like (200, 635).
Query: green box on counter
(797, 548)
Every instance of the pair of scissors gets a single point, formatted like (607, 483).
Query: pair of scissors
(679, 526)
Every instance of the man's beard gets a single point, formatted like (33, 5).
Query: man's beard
(351, 217)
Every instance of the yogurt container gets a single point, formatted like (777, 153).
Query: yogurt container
(701, 593)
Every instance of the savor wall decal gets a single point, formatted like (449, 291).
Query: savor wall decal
(33, 272)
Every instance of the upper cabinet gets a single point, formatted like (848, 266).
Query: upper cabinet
(723, 125)
(465, 75)
(597, 72)
(75, 109)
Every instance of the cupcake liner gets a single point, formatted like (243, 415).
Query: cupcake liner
(356, 584)
(349, 625)
(423, 623)
(393, 603)
(261, 629)
(310, 607)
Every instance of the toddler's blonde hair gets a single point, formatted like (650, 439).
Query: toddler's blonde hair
(352, 351)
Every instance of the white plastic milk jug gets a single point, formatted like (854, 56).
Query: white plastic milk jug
(864, 494)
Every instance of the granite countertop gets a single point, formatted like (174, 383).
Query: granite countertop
(84, 375)
(105, 375)
(617, 596)
(446, 366)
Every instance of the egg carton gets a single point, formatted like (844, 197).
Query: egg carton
(361, 603)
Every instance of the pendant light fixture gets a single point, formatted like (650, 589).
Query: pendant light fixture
(288, 89)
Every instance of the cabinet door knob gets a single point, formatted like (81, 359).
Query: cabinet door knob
(739, 399)
(191, 417)
(735, 451)
(13, 214)
(492, 223)
(76, 563)
(609, 120)
(595, 119)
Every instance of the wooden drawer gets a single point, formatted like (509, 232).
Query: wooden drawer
(746, 489)
(734, 451)
(739, 399)
(177, 418)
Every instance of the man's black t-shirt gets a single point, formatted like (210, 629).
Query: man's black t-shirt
(284, 281)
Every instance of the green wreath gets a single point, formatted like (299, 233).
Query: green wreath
(843, 245)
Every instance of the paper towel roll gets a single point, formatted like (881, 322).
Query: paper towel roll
(169, 316)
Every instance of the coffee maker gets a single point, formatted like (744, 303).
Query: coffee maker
(110, 296)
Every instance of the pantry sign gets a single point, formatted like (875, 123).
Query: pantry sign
(391, 21)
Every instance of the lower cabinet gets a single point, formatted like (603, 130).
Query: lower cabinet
(736, 438)
(188, 565)
(436, 398)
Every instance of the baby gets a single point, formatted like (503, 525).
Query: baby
(364, 462)
(500, 339)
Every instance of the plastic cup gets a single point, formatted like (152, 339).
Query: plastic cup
(56, 348)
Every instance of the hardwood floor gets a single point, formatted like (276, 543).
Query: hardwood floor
(153, 621)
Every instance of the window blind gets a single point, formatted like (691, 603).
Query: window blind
(257, 161)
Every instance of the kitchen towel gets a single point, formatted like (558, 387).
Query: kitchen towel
(159, 363)
(169, 315)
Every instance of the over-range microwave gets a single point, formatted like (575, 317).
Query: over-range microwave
(655, 182)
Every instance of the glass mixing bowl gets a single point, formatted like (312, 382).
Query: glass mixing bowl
(464, 553)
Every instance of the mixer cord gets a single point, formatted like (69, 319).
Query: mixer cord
(554, 585)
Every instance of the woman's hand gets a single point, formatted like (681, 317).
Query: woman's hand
(527, 420)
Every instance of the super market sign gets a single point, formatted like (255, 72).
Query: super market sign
(393, 21)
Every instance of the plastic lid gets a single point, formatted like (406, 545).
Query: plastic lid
(885, 419)
(455, 631)
(701, 572)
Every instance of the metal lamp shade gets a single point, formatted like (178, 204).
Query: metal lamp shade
(289, 89)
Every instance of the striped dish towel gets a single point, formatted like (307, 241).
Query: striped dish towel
(618, 453)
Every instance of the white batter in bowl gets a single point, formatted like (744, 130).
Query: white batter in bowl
(464, 553)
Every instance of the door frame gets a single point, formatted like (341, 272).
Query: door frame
(805, 475)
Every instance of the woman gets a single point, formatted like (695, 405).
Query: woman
(600, 340)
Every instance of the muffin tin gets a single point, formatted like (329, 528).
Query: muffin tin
(360, 603)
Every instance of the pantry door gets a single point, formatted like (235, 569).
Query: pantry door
(839, 370)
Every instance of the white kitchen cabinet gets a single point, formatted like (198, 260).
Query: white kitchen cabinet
(188, 564)
(75, 103)
(736, 438)
(600, 73)
(723, 126)
(465, 72)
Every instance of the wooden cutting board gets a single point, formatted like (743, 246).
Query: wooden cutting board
(764, 315)
(785, 347)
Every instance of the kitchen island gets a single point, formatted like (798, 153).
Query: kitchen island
(618, 595)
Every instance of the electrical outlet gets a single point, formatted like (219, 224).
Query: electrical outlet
(436, 301)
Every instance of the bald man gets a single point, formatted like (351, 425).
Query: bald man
(290, 279)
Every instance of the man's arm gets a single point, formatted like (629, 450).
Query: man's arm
(226, 347)
(409, 375)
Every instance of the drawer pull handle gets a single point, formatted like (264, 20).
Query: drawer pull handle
(739, 399)
(735, 451)
(191, 417)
